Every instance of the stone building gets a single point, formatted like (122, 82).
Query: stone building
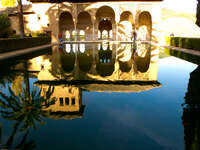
(93, 20)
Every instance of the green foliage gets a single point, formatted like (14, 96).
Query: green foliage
(5, 26)
(184, 42)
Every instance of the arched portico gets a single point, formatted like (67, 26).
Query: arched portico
(126, 26)
(105, 20)
(66, 24)
(84, 23)
(144, 26)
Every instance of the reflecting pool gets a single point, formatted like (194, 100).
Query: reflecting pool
(100, 97)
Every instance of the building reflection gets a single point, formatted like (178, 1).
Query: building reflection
(68, 103)
(191, 112)
(103, 62)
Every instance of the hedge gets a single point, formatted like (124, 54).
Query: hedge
(7, 45)
(182, 55)
(184, 42)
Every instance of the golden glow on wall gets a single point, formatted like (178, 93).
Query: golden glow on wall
(125, 30)
(33, 23)
(142, 33)
(39, 20)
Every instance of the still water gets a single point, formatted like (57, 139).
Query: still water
(108, 97)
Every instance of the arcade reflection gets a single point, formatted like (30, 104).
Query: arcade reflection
(102, 62)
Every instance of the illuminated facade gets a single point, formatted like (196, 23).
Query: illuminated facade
(116, 20)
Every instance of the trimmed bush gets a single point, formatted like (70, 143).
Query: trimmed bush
(184, 42)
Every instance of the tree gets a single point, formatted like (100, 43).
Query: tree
(21, 21)
(5, 25)
(7, 3)
(198, 14)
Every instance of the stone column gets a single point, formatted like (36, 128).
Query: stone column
(116, 32)
(93, 31)
(93, 19)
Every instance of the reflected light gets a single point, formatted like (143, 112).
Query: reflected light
(104, 46)
(68, 48)
(82, 48)
(74, 48)
(99, 46)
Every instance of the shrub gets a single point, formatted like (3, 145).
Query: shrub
(184, 42)
(5, 26)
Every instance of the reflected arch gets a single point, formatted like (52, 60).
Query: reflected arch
(68, 62)
(105, 64)
(85, 61)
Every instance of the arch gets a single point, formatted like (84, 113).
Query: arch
(126, 26)
(105, 17)
(105, 25)
(84, 23)
(84, 20)
(105, 12)
(65, 22)
(127, 16)
(145, 23)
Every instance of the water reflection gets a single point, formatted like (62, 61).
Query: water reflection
(191, 111)
(24, 106)
(61, 78)
(69, 102)
(119, 64)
